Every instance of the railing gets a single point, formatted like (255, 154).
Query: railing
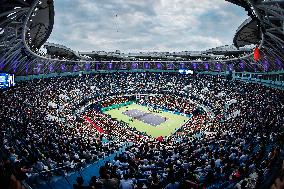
(268, 83)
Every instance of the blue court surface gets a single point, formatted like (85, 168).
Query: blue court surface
(146, 117)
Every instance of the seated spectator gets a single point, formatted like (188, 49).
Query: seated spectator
(79, 185)
(126, 182)
(173, 184)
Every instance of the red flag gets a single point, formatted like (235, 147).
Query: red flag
(256, 54)
(160, 138)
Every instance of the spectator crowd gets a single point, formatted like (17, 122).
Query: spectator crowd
(236, 143)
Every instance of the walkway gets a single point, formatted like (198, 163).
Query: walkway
(60, 182)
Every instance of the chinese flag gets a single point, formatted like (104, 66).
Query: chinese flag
(256, 54)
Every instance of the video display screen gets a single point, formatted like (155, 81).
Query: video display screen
(6, 80)
(185, 71)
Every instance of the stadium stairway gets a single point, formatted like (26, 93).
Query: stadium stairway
(66, 182)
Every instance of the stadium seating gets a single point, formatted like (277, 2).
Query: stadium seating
(238, 141)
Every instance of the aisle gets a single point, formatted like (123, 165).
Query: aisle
(91, 170)
(95, 125)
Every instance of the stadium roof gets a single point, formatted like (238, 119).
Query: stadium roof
(41, 24)
(243, 3)
(248, 33)
(57, 51)
(215, 54)
(25, 26)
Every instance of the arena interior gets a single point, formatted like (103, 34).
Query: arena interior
(107, 120)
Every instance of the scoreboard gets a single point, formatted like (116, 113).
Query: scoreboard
(6, 80)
